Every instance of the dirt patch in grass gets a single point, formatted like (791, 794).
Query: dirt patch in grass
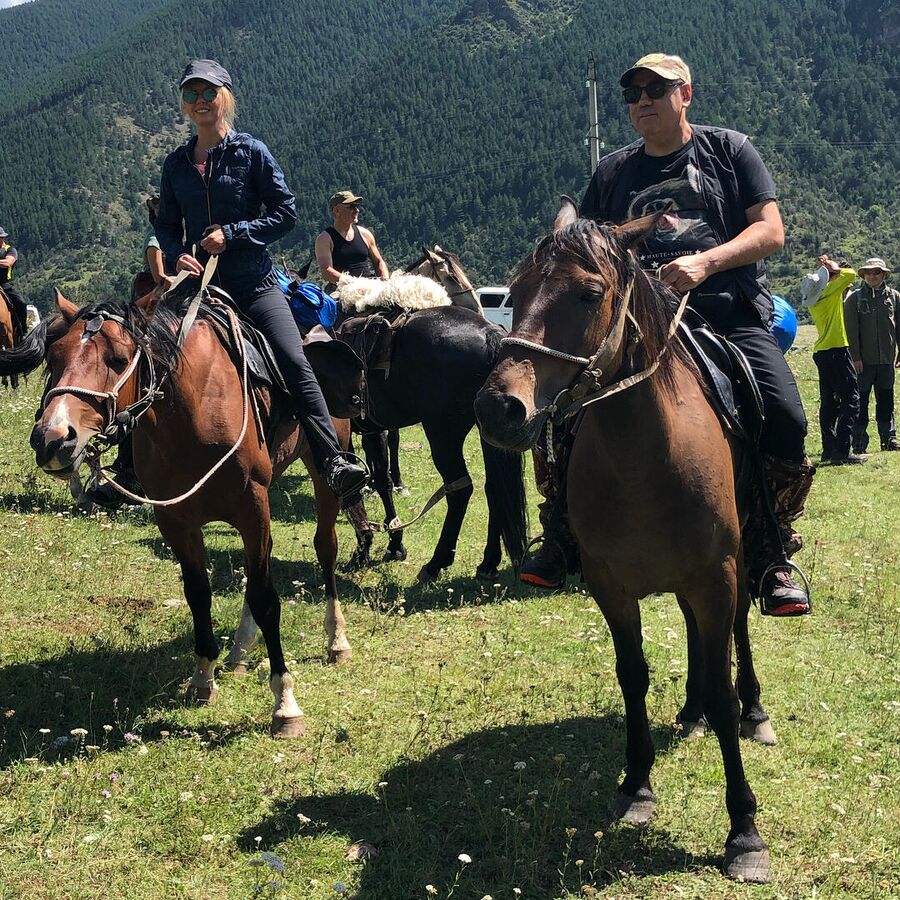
(134, 604)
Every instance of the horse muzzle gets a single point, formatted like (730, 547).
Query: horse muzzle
(504, 420)
(58, 448)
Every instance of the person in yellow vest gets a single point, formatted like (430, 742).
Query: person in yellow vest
(8, 258)
(823, 295)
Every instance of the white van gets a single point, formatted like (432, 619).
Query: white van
(495, 303)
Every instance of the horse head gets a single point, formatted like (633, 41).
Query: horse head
(92, 358)
(569, 300)
(445, 268)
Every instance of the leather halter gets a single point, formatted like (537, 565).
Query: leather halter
(589, 386)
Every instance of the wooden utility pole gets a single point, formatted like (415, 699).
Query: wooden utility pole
(593, 139)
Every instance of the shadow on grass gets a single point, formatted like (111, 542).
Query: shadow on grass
(89, 688)
(504, 796)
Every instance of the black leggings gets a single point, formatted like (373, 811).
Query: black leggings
(784, 429)
(268, 309)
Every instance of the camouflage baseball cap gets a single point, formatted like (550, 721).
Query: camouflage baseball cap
(341, 198)
(673, 68)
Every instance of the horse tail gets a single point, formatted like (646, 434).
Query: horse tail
(504, 485)
(31, 352)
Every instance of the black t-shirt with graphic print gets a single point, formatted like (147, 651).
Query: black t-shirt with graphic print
(650, 183)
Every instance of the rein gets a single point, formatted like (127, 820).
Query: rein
(121, 423)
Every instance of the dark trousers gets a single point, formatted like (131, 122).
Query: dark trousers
(784, 429)
(267, 308)
(19, 307)
(838, 400)
(881, 377)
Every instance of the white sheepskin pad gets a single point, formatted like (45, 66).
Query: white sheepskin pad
(405, 291)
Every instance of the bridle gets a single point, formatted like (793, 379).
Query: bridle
(120, 424)
(451, 294)
(590, 385)
(117, 424)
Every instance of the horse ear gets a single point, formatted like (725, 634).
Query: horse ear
(568, 213)
(432, 257)
(636, 230)
(68, 309)
(438, 248)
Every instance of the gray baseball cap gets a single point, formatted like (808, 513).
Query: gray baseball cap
(875, 264)
(3, 232)
(206, 70)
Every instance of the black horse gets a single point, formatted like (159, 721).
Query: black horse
(439, 360)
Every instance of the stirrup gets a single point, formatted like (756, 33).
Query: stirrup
(787, 564)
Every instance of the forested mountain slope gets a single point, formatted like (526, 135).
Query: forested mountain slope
(461, 121)
(40, 37)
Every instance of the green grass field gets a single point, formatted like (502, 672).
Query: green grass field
(474, 719)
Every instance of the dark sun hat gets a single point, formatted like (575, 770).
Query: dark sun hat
(206, 70)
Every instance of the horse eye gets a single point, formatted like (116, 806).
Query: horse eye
(591, 295)
(117, 362)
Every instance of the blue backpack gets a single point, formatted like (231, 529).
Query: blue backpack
(310, 304)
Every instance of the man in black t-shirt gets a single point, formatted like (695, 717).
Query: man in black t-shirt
(722, 220)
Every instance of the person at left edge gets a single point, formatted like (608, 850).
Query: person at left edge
(223, 192)
(8, 258)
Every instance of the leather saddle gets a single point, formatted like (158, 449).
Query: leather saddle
(732, 385)
(338, 369)
(371, 336)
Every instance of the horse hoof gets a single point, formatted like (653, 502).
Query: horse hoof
(238, 669)
(338, 657)
(288, 728)
(426, 576)
(637, 811)
(692, 730)
(200, 696)
(761, 732)
(398, 555)
(747, 865)
(487, 574)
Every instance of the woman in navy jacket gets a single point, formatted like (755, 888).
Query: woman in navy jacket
(223, 193)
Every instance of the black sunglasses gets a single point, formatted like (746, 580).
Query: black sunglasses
(191, 96)
(654, 90)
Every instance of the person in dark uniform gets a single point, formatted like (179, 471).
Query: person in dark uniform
(720, 222)
(8, 258)
(346, 246)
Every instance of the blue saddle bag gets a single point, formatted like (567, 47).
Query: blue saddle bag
(310, 304)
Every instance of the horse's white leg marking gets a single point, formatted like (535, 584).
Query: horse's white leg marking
(338, 646)
(244, 639)
(203, 687)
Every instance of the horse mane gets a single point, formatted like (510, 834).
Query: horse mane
(585, 246)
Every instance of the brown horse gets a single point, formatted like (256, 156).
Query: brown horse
(105, 358)
(651, 486)
(7, 336)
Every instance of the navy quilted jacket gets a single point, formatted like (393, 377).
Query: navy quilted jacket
(243, 191)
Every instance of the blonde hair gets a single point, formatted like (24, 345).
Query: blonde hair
(229, 107)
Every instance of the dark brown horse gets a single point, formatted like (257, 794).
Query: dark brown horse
(651, 487)
(7, 336)
(105, 357)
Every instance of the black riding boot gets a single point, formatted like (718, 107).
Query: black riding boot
(788, 484)
(103, 493)
(557, 555)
